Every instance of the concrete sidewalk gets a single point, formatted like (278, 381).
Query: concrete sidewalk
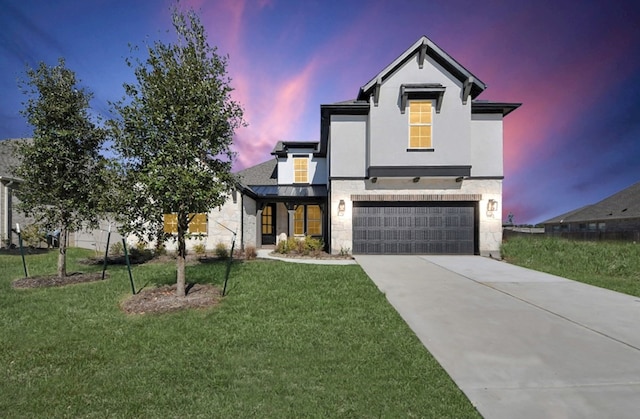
(520, 344)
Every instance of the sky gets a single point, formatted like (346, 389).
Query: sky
(574, 65)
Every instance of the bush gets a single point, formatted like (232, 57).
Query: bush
(250, 252)
(200, 249)
(32, 235)
(116, 249)
(221, 251)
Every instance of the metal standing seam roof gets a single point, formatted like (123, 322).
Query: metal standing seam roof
(290, 191)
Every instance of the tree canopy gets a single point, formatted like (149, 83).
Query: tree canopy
(61, 167)
(174, 134)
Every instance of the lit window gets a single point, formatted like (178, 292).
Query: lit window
(298, 221)
(198, 224)
(307, 220)
(300, 170)
(420, 124)
(314, 220)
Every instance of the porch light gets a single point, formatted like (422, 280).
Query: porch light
(341, 207)
(492, 205)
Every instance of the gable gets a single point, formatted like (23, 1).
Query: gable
(419, 52)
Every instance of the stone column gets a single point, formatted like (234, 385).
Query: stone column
(259, 228)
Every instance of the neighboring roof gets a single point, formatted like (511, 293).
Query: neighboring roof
(265, 173)
(9, 157)
(622, 205)
(425, 47)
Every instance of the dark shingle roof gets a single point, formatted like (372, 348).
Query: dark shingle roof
(265, 173)
(8, 157)
(621, 205)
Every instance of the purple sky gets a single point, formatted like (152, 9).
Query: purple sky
(574, 65)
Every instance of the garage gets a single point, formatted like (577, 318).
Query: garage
(414, 228)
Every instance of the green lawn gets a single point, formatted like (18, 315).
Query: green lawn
(289, 340)
(612, 265)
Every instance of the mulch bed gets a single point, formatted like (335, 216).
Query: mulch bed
(55, 281)
(164, 299)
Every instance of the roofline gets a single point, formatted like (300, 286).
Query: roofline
(423, 47)
(281, 148)
(505, 108)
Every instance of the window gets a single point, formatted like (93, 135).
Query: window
(420, 124)
(307, 220)
(198, 224)
(300, 170)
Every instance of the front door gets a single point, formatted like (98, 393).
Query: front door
(269, 224)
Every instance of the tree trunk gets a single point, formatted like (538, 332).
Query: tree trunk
(181, 259)
(62, 253)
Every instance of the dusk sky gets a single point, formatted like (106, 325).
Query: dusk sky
(575, 66)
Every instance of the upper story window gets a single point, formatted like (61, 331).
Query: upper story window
(300, 170)
(420, 124)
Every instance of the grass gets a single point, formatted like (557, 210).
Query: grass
(289, 340)
(612, 265)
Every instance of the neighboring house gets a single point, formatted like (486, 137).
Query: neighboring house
(615, 217)
(413, 164)
(8, 201)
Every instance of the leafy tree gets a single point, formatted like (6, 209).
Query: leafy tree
(61, 167)
(174, 134)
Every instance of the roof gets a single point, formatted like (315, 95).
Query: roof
(622, 205)
(425, 47)
(265, 173)
(282, 148)
(9, 157)
(283, 192)
(485, 106)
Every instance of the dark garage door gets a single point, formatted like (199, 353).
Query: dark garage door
(414, 228)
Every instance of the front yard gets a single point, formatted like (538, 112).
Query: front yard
(289, 340)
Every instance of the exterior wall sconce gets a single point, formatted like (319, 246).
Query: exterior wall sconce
(492, 206)
(341, 207)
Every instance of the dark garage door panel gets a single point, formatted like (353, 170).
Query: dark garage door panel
(412, 228)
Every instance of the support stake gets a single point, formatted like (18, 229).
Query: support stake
(126, 258)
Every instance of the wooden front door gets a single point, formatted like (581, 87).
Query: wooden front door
(268, 224)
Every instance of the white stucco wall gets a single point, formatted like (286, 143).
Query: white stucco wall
(389, 129)
(489, 229)
(317, 168)
(348, 146)
(486, 145)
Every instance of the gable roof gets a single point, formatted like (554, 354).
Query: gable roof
(9, 157)
(421, 48)
(621, 205)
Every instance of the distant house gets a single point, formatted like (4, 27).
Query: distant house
(413, 164)
(615, 217)
(8, 185)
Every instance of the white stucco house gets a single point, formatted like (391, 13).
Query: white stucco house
(412, 165)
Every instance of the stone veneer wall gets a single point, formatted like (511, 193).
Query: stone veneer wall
(490, 228)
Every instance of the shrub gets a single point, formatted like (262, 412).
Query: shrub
(116, 249)
(221, 251)
(345, 251)
(200, 249)
(250, 252)
(313, 245)
(141, 246)
(32, 235)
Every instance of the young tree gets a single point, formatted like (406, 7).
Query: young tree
(174, 135)
(61, 167)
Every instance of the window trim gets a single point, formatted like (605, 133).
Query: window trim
(430, 125)
(296, 170)
(174, 216)
(305, 220)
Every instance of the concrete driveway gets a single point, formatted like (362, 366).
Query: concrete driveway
(519, 343)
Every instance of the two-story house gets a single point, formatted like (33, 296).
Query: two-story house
(413, 164)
